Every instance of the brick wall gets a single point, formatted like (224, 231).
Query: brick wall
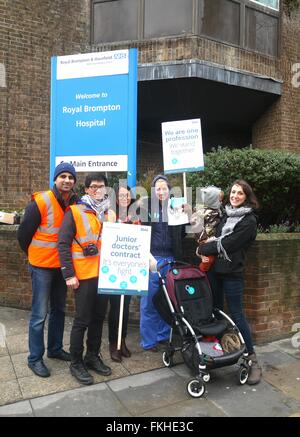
(272, 291)
(31, 31)
(279, 127)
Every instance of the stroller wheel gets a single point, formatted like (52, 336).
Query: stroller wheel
(168, 359)
(195, 388)
(243, 375)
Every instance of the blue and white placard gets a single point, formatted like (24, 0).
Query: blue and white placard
(124, 259)
(94, 112)
(182, 146)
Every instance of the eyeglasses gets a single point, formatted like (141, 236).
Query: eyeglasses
(96, 187)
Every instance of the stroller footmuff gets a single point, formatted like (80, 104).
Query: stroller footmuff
(208, 338)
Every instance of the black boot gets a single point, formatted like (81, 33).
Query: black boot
(94, 362)
(79, 371)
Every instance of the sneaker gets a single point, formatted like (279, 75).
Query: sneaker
(61, 355)
(79, 372)
(255, 370)
(94, 362)
(39, 369)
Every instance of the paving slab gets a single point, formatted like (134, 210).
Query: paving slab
(187, 408)
(7, 371)
(3, 351)
(9, 314)
(10, 392)
(286, 378)
(286, 345)
(94, 401)
(34, 386)
(17, 344)
(19, 409)
(140, 393)
(262, 400)
(143, 361)
(22, 370)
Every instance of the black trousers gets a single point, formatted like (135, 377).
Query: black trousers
(90, 310)
(113, 317)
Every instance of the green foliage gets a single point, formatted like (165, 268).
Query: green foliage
(273, 174)
(278, 229)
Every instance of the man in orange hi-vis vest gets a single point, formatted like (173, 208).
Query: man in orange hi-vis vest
(38, 237)
(79, 245)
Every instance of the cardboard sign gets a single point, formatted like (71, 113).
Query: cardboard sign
(124, 259)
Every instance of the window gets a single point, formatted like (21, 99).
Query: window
(273, 4)
(115, 20)
(168, 17)
(261, 32)
(220, 19)
(249, 24)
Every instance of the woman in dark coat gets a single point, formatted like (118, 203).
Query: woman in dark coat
(236, 231)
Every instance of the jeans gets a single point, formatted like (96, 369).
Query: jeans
(48, 285)
(233, 289)
(90, 309)
(153, 329)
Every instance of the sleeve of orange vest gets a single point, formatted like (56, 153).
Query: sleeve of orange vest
(66, 235)
(28, 227)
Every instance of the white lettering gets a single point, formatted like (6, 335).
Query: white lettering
(2, 76)
(296, 76)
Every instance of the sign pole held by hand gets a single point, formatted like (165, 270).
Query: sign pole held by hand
(120, 322)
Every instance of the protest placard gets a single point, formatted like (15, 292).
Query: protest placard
(124, 260)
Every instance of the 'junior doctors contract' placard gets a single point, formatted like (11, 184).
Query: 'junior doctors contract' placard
(182, 146)
(124, 260)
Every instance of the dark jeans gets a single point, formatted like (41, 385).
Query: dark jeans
(113, 317)
(48, 285)
(233, 289)
(90, 309)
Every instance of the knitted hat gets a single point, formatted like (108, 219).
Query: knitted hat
(64, 167)
(158, 177)
(211, 197)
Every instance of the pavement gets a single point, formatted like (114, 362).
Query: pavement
(141, 386)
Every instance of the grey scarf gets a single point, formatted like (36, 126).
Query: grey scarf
(234, 216)
(99, 206)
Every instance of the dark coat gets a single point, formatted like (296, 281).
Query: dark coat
(235, 244)
(165, 240)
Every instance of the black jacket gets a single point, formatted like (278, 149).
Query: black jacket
(66, 236)
(32, 219)
(235, 244)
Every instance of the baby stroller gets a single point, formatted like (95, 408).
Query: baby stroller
(208, 338)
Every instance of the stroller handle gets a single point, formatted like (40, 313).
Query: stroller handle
(172, 264)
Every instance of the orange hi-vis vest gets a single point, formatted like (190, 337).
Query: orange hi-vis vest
(42, 251)
(88, 230)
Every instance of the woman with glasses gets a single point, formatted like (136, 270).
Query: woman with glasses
(124, 200)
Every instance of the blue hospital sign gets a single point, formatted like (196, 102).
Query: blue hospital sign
(94, 112)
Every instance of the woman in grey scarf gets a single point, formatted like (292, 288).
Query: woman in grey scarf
(237, 230)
